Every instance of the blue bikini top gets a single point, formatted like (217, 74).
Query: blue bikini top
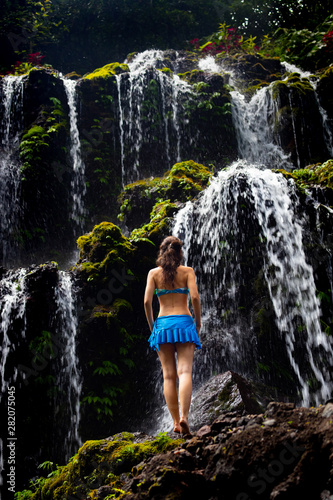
(162, 291)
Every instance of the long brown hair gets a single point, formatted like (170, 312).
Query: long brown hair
(170, 256)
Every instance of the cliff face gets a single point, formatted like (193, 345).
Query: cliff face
(78, 142)
(117, 160)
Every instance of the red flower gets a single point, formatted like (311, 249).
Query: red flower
(35, 58)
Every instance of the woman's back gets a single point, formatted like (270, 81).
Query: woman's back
(176, 301)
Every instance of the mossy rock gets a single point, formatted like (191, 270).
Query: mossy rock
(320, 174)
(103, 252)
(120, 310)
(294, 82)
(107, 71)
(103, 239)
(194, 76)
(160, 223)
(166, 71)
(324, 90)
(182, 183)
(99, 464)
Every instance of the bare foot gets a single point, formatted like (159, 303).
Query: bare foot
(176, 428)
(184, 427)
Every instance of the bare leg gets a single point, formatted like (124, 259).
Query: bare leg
(185, 353)
(168, 361)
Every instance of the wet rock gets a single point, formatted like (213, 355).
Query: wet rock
(225, 392)
(204, 431)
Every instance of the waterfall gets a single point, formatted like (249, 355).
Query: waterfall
(78, 180)
(254, 122)
(327, 128)
(12, 304)
(68, 377)
(151, 108)
(215, 242)
(13, 319)
(291, 285)
(10, 175)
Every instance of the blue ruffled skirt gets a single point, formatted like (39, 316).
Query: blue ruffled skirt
(172, 329)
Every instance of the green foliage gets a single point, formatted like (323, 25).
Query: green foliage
(118, 27)
(312, 175)
(33, 145)
(23, 495)
(227, 40)
(303, 47)
(42, 343)
(22, 68)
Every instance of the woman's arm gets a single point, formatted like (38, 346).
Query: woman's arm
(195, 299)
(148, 299)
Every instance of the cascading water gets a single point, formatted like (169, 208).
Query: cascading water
(327, 132)
(78, 179)
(214, 240)
(151, 107)
(254, 122)
(12, 305)
(10, 175)
(68, 378)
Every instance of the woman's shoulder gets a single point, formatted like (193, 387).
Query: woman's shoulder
(155, 271)
(186, 269)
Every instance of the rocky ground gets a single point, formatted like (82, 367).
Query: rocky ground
(283, 453)
(237, 451)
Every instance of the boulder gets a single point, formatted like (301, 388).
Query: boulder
(224, 392)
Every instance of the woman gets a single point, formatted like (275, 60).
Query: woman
(174, 330)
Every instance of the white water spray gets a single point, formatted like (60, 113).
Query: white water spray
(10, 175)
(137, 108)
(68, 377)
(211, 225)
(78, 180)
(12, 304)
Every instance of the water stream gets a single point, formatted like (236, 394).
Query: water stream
(10, 175)
(212, 227)
(13, 320)
(78, 179)
(246, 225)
(214, 235)
(151, 104)
(68, 377)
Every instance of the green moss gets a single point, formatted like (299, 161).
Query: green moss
(192, 76)
(106, 242)
(107, 71)
(35, 131)
(294, 82)
(167, 71)
(320, 174)
(159, 225)
(100, 463)
(182, 183)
